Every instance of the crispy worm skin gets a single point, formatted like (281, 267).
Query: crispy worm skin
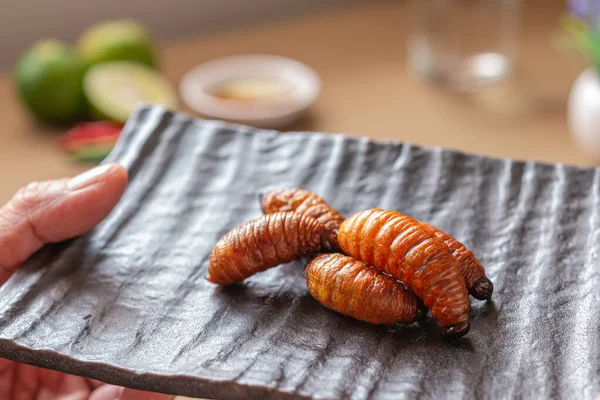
(263, 243)
(304, 202)
(472, 271)
(353, 288)
(405, 249)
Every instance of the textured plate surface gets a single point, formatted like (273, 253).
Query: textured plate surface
(128, 302)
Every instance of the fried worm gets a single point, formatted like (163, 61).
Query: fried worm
(353, 288)
(402, 247)
(471, 269)
(264, 243)
(307, 203)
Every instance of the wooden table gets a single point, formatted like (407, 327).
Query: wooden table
(360, 54)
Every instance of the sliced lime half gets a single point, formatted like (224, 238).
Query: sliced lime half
(115, 89)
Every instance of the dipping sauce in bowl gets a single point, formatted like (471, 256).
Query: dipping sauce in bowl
(258, 90)
(251, 89)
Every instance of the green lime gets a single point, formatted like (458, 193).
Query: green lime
(48, 78)
(114, 89)
(119, 40)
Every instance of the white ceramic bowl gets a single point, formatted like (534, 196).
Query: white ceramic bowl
(303, 81)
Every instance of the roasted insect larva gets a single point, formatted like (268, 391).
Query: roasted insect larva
(353, 288)
(263, 243)
(402, 247)
(471, 269)
(304, 202)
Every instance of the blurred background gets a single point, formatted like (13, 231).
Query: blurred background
(24, 22)
(502, 78)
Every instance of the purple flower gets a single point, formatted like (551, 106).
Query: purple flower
(585, 9)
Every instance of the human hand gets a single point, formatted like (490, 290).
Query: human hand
(48, 212)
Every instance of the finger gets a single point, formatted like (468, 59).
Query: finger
(131, 394)
(106, 392)
(57, 210)
(94, 383)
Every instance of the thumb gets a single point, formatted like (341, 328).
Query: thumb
(52, 211)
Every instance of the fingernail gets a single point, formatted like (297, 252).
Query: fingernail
(90, 177)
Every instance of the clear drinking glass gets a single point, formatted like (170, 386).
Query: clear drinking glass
(464, 43)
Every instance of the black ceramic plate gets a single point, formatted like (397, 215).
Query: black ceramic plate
(128, 303)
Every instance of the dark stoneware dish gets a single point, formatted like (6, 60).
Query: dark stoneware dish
(128, 303)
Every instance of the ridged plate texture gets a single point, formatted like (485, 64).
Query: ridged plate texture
(128, 302)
